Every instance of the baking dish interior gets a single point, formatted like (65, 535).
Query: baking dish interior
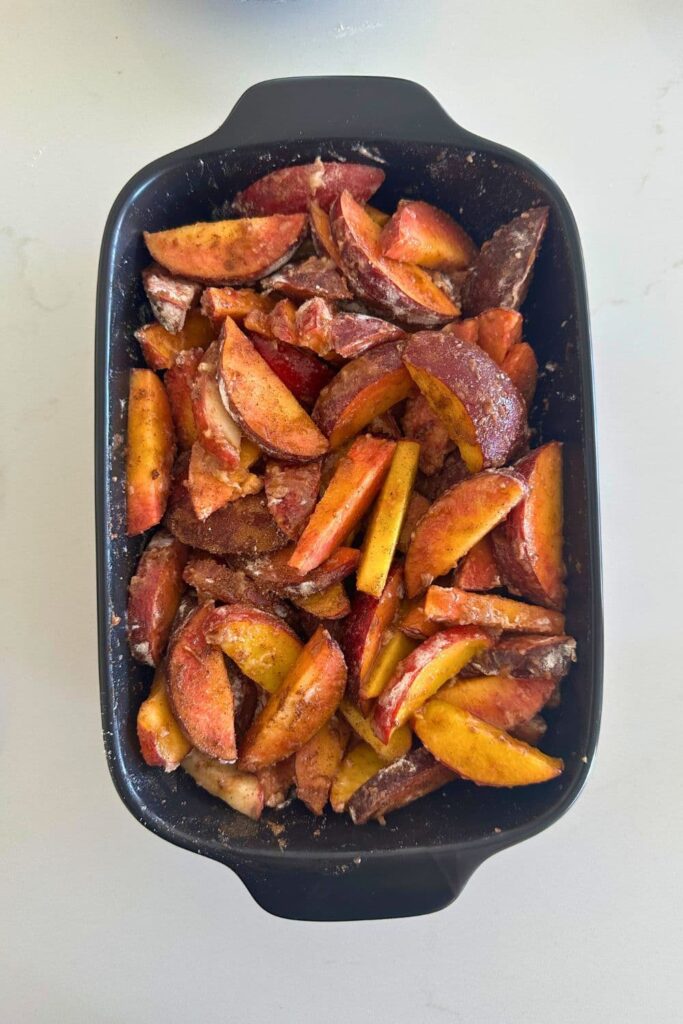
(482, 188)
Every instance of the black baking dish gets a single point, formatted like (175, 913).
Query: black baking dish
(327, 869)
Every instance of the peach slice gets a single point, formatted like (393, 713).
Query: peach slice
(228, 251)
(199, 688)
(266, 409)
(398, 784)
(240, 790)
(291, 493)
(480, 752)
(476, 401)
(395, 647)
(351, 491)
(315, 276)
(161, 348)
(316, 764)
(499, 700)
(421, 424)
(359, 765)
(499, 331)
(150, 451)
(363, 389)
(217, 303)
(291, 189)
(398, 744)
(401, 291)
(307, 698)
(365, 627)
(422, 234)
(211, 486)
(299, 369)
(329, 604)
(419, 676)
(162, 743)
(261, 645)
(386, 521)
(478, 569)
(521, 366)
(454, 607)
(273, 572)
(527, 657)
(456, 521)
(502, 271)
(528, 545)
(352, 334)
(154, 594)
(216, 428)
(179, 381)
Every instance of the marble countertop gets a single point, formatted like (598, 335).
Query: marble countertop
(103, 921)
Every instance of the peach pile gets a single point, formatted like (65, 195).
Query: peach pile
(356, 589)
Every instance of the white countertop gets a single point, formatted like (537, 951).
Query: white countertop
(104, 922)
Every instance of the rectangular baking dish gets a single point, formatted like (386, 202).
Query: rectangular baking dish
(297, 866)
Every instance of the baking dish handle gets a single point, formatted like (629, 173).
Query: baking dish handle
(360, 889)
(337, 107)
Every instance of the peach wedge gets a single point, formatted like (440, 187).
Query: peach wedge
(456, 521)
(305, 701)
(480, 752)
(150, 452)
(419, 676)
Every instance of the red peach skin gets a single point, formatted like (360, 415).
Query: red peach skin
(362, 390)
(478, 570)
(528, 545)
(291, 493)
(315, 276)
(398, 784)
(291, 189)
(527, 657)
(154, 594)
(299, 369)
(501, 274)
(401, 291)
(353, 488)
(476, 401)
(199, 688)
